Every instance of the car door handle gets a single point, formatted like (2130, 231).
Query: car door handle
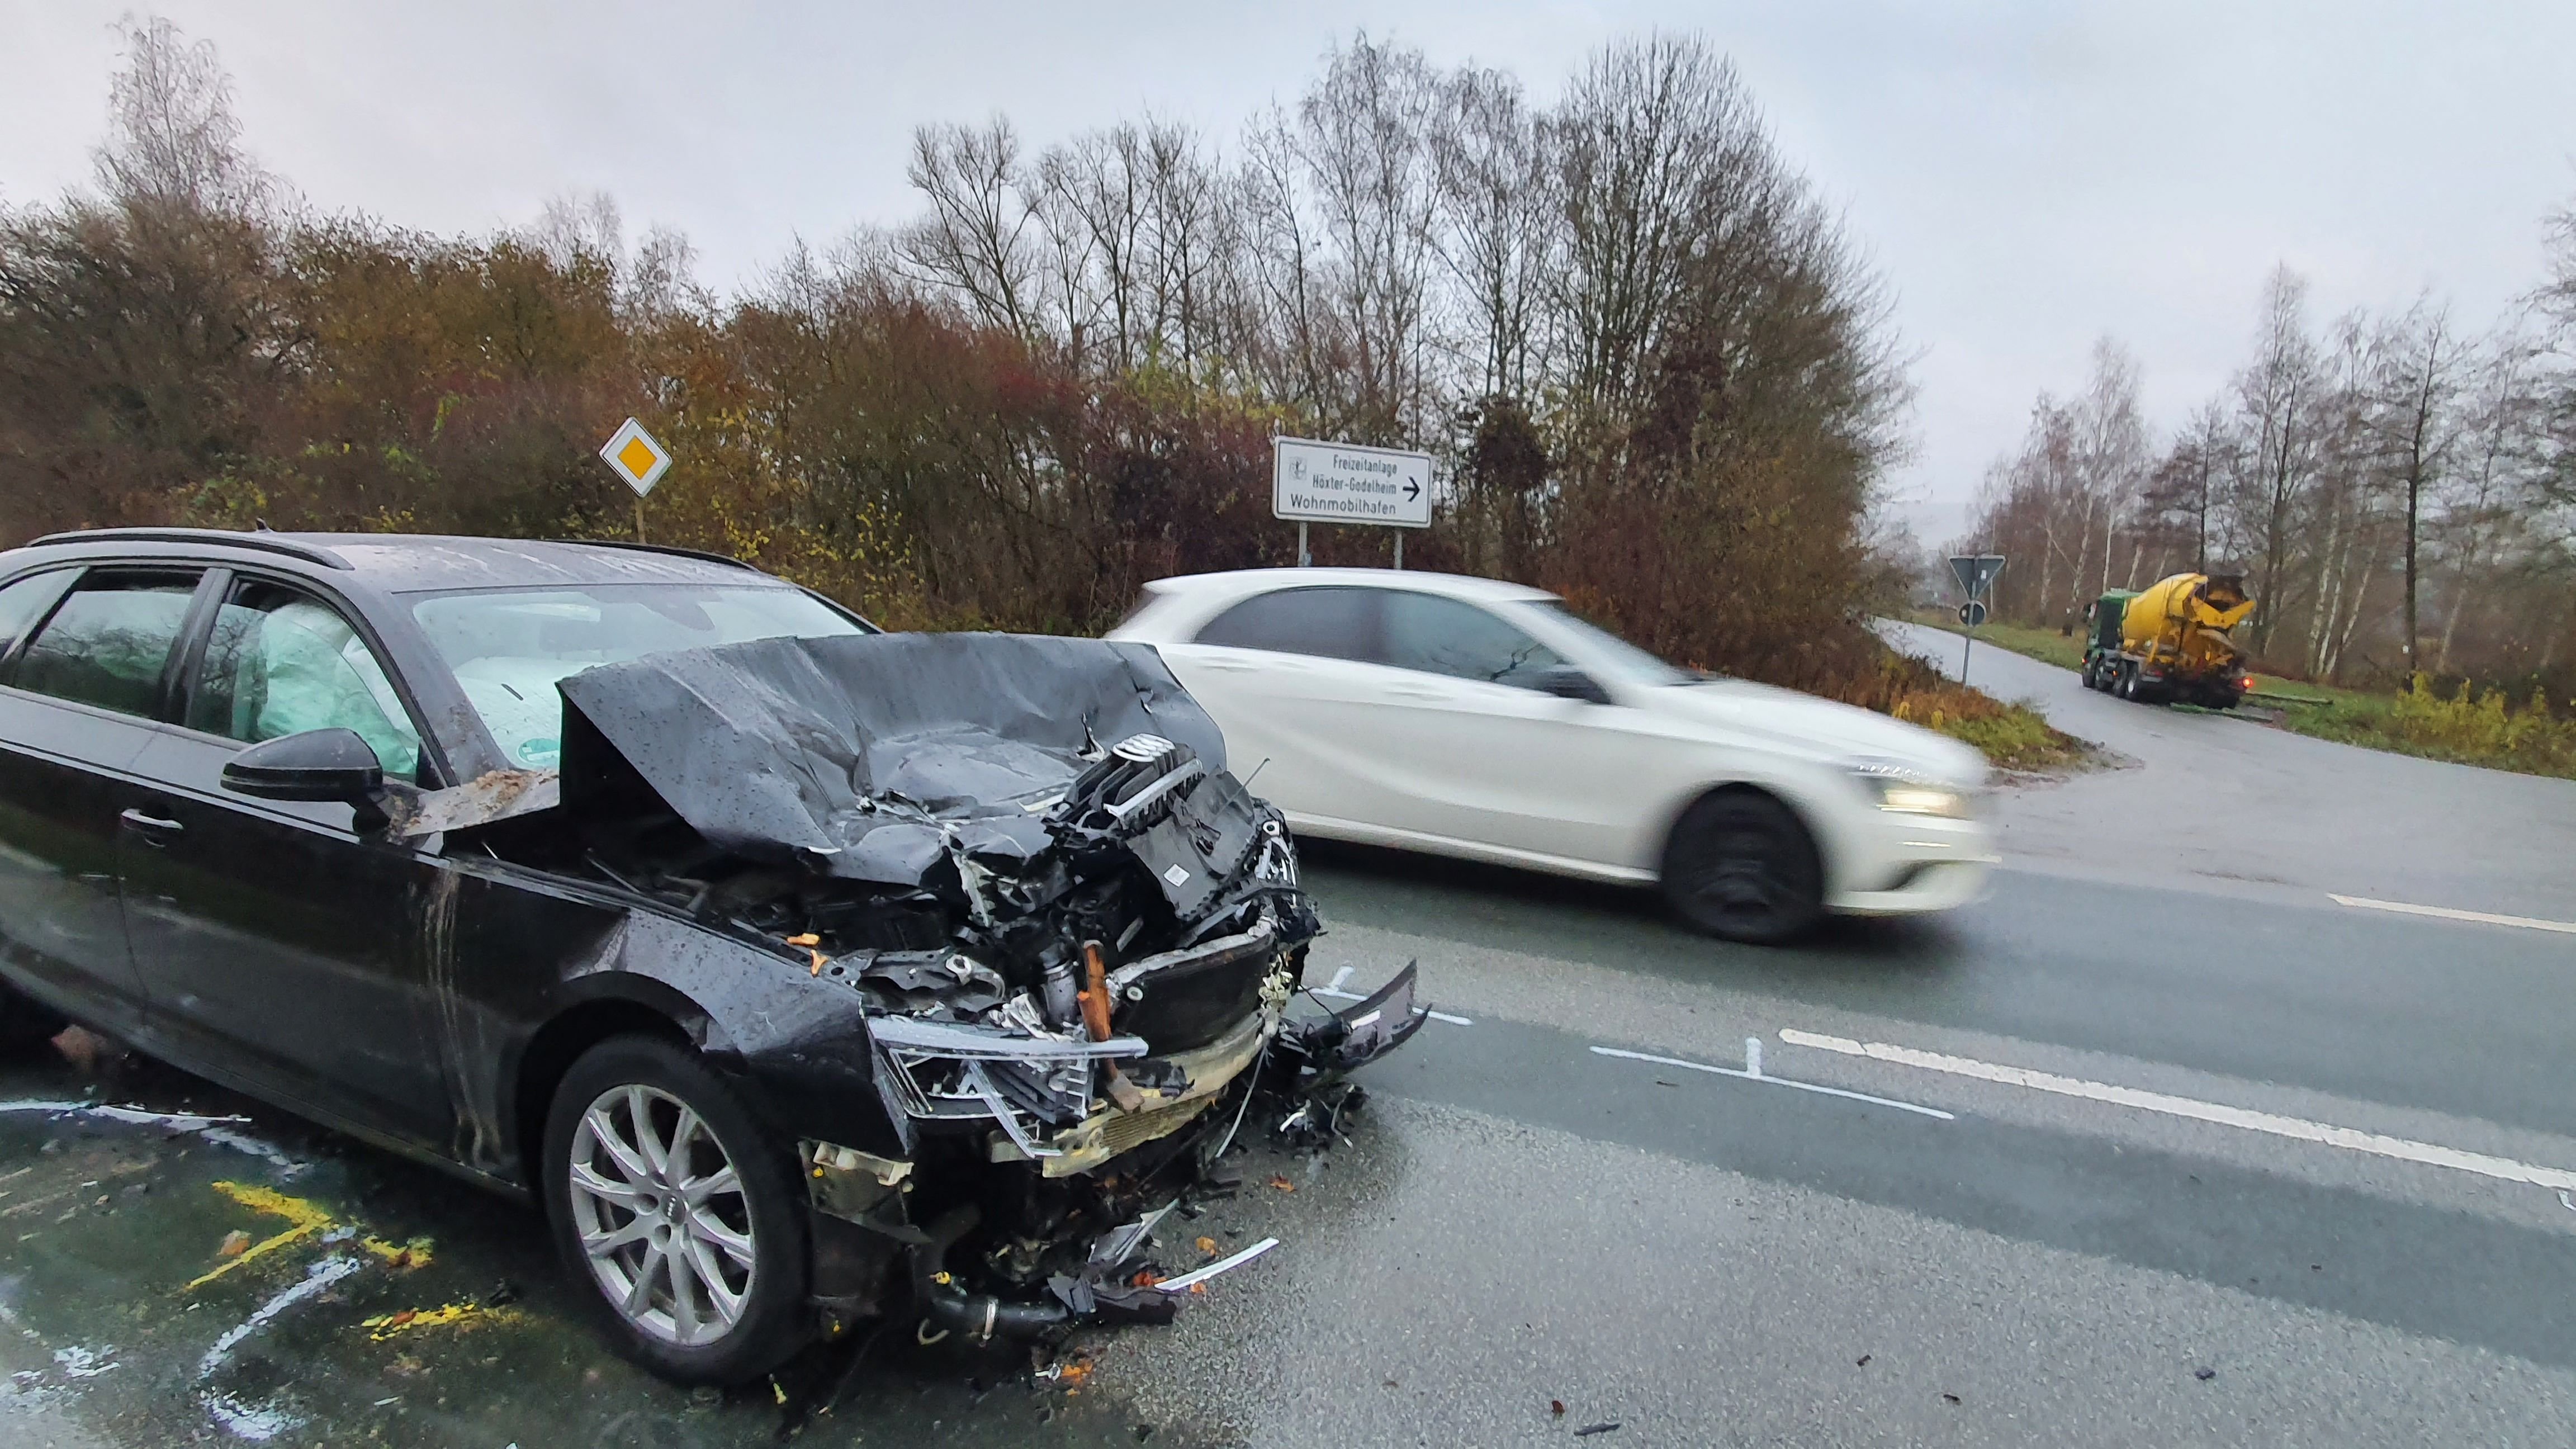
(1404, 692)
(151, 827)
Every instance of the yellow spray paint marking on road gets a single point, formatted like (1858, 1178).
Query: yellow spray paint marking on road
(460, 1315)
(304, 1220)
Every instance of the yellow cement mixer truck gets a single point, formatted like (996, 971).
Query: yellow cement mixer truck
(2168, 643)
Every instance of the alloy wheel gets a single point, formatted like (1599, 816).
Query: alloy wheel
(661, 1215)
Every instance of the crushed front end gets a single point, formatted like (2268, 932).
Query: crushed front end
(1076, 941)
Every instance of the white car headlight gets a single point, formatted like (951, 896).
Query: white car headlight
(1907, 792)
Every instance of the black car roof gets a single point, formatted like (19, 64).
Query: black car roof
(412, 562)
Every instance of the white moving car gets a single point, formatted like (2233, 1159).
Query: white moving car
(1481, 719)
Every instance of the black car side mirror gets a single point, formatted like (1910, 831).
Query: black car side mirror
(316, 765)
(1567, 682)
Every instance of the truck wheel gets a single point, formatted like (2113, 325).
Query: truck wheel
(2127, 687)
(1740, 866)
(680, 1209)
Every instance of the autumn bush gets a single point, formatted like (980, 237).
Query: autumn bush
(1658, 377)
(2483, 727)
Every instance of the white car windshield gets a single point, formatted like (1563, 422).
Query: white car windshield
(1626, 659)
(507, 647)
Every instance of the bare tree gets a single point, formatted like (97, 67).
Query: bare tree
(975, 243)
(1499, 221)
(2420, 357)
(172, 137)
(1647, 139)
(1365, 137)
(2276, 404)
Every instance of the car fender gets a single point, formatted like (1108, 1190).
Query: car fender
(552, 952)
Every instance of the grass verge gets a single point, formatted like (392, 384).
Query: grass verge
(2011, 736)
(2465, 728)
(2045, 645)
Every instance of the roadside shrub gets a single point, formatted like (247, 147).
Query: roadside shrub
(2483, 728)
(2011, 736)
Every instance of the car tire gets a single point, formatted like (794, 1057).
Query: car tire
(1741, 866)
(749, 1236)
(26, 1023)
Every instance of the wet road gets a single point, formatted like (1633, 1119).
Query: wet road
(2159, 1144)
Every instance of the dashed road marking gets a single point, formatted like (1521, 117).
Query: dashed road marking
(2447, 913)
(1751, 1071)
(1339, 994)
(2399, 1148)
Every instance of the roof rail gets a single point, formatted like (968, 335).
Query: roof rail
(228, 538)
(628, 543)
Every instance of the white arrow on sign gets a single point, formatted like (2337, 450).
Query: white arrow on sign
(1313, 482)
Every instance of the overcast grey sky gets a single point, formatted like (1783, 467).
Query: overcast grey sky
(2029, 177)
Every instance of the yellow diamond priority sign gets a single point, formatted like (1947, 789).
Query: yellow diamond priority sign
(632, 455)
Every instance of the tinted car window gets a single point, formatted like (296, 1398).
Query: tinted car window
(108, 642)
(1444, 636)
(22, 602)
(1332, 622)
(280, 662)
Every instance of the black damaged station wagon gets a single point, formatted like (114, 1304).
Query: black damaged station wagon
(802, 973)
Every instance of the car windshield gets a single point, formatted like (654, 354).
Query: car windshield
(1629, 661)
(507, 647)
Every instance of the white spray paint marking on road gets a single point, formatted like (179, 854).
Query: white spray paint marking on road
(1754, 1074)
(2446, 913)
(85, 1363)
(262, 1422)
(1355, 996)
(1341, 976)
(1183, 1283)
(213, 1129)
(2300, 1129)
(316, 1278)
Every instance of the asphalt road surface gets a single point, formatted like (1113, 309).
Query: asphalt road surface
(2160, 1144)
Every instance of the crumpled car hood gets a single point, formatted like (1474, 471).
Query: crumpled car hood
(796, 748)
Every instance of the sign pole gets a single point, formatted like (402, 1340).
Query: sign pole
(1304, 559)
(1976, 574)
(640, 462)
(1399, 550)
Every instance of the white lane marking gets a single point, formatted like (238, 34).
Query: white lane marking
(1183, 1282)
(2446, 913)
(2300, 1129)
(1355, 996)
(1341, 976)
(1756, 1076)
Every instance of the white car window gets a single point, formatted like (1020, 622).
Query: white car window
(1438, 635)
(1328, 621)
